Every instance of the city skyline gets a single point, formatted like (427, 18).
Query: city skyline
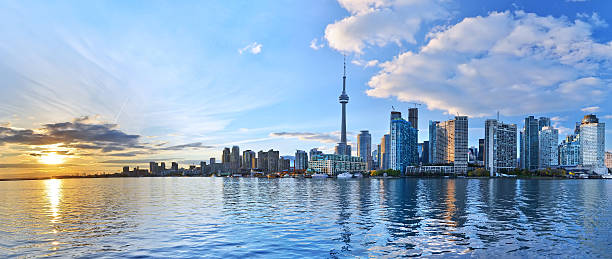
(87, 103)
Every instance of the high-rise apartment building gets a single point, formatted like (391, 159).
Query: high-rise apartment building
(364, 147)
(592, 143)
(225, 159)
(481, 145)
(235, 159)
(385, 152)
(262, 161)
(569, 151)
(448, 142)
(273, 160)
(425, 153)
(530, 142)
(249, 159)
(301, 160)
(549, 147)
(413, 117)
(403, 143)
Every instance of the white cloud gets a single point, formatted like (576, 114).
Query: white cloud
(363, 63)
(590, 109)
(515, 63)
(253, 48)
(607, 116)
(379, 22)
(314, 44)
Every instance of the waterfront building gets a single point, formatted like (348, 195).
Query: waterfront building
(608, 160)
(385, 152)
(203, 167)
(472, 154)
(301, 160)
(404, 151)
(262, 161)
(235, 159)
(225, 159)
(174, 167)
(448, 142)
(153, 168)
(273, 159)
(343, 148)
(499, 149)
(284, 164)
(364, 147)
(530, 142)
(425, 153)
(333, 164)
(249, 159)
(481, 145)
(413, 117)
(592, 143)
(211, 161)
(437, 143)
(315, 152)
(549, 147)
(375, 158)
(569, 151)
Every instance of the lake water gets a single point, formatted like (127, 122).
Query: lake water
(278, 218)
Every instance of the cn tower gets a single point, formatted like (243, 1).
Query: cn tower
(343, 148)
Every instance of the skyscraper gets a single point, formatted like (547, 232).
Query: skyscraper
(301, 160)
(481, 144)
(530, 143)
(499, 147)
(592, 143)
(608, 160)
(425, 155)
(549, 147)
(364, 147)
(385, 151)
(225, 159)
(569, 151)
(235, 159)
(273, 161)
(448, 142)
(343, 148)
(262, 161)
(413, 117)
(403, 143)
(249, 159)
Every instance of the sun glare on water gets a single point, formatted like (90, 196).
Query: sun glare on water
(51, 159)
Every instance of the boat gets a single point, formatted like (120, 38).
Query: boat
(344, 175)
(319, 175)
(358, 175)
(606, 176)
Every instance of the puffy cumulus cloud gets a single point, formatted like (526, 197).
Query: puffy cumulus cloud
(310, 136)
(253, 48)
(515, 63)
(379, 22)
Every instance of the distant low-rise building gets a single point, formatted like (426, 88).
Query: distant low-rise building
(608, 161)
(333, 164)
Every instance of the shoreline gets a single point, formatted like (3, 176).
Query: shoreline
(371, 177)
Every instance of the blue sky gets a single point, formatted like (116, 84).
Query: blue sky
(189, 77)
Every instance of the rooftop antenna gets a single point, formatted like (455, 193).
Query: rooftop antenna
(497, 115)
(392, 108)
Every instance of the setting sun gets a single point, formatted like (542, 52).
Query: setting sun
(52, 159)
